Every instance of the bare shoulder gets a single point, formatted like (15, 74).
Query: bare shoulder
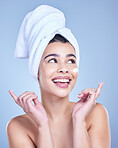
(97, 115)
(18, 131)
(15, 122)
(98, 110)
(19, 122)
(99, 128)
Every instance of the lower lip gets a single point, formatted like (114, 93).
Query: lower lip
(62, 85)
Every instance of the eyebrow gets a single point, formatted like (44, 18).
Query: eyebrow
(57, 55)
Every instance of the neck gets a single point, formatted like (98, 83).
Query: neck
(57, 108)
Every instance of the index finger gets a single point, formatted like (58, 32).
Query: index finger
(13, 95)
(99, 89)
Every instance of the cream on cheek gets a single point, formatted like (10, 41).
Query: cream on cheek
(75, 70)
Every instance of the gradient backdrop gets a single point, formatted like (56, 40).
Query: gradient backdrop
(95, 25)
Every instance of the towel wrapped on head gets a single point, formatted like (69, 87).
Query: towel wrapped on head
(37, 29)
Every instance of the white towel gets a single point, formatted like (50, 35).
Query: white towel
(38, 28)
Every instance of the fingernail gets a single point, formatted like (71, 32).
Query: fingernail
(101, 83)
(10, 91)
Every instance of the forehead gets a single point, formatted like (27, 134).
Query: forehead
(59, 48)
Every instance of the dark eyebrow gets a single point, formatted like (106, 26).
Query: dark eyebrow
(69, 55)
(57, 55)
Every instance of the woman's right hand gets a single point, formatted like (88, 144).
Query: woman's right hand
(36, 111)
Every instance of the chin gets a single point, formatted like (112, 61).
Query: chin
(61, 92)
(61, 95)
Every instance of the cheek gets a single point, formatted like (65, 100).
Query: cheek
(75, 70)
(45, 74)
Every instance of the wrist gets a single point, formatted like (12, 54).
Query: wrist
(44, 134)
(43, 126)
(79, 123)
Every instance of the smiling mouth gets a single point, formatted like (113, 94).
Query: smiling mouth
(62, 83)
(61, 80)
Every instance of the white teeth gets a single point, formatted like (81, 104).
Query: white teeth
(61, 80)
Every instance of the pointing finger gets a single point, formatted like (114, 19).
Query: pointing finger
(13, 96)
(99, 89)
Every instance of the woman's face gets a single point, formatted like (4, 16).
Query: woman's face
(58, 68)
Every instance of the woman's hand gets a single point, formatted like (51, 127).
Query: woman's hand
(36, 111)
(88, 100)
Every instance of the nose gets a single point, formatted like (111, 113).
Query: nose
(63, 69)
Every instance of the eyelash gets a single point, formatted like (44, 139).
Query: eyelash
(73, 61)
(52, 59)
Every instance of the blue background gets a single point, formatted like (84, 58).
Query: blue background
(94, 24)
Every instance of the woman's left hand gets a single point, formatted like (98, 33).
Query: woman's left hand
(88, 100)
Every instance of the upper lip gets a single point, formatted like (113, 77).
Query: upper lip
(62, 77)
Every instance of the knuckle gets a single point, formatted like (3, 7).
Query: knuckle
(22, 99)
(18, 99)
(28, 101)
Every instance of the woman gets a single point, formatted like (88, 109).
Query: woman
(55, 122)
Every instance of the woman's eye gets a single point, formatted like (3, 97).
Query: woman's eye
(72, 61)
(52, 61)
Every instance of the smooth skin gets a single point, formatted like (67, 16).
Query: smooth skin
(44, 124)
